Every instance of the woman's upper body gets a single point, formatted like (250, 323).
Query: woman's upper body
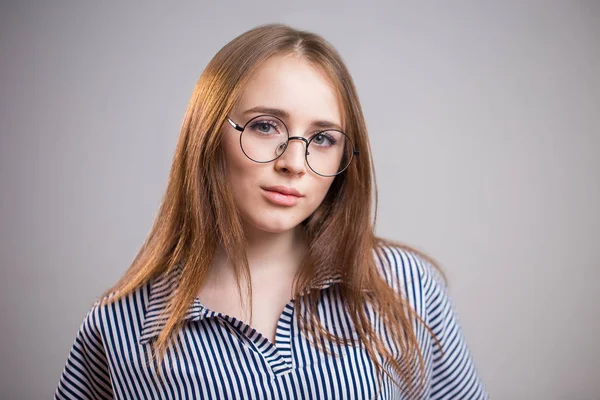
(216, 356)
(272, 186)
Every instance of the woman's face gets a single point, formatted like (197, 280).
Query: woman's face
(295, 87)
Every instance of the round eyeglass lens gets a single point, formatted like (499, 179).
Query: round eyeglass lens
(329, 152)
(264, 138)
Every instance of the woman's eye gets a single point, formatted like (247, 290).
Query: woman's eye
(264, 126)
(321, 139)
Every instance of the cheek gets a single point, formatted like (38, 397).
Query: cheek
(237, 165)
(321, 188)
(244, 179)
(241, 175)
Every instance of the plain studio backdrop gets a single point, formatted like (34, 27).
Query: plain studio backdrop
(484, 122)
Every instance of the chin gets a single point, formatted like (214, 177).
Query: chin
(276, 228)
(279, 225)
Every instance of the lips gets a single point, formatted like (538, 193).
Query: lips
(284, 190)
(280, 199)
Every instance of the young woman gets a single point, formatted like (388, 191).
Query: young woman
(262, 277)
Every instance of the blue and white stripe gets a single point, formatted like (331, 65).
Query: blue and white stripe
(219, 357)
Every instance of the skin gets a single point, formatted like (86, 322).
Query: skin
(275, 241)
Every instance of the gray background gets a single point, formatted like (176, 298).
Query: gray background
(484, 120)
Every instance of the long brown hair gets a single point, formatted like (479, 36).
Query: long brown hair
(198, 212)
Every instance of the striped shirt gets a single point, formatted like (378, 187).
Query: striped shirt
(216, 356)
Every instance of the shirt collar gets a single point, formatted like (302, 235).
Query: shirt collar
(162, 287)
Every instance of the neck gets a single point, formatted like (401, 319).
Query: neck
(272, 257)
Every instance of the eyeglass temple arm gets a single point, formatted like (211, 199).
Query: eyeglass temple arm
(236, 126)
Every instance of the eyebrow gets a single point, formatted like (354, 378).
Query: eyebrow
(282, 114)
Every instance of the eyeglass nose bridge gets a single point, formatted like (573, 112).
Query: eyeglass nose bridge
(296, 138)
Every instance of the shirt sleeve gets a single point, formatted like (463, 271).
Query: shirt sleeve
(86, 374)
(454, 374)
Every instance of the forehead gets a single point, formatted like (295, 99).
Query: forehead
(295, 86)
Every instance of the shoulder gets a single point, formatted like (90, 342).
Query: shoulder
(112, 313)
(399, 265)
(410, 273)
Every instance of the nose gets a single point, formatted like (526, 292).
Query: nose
(294, 156)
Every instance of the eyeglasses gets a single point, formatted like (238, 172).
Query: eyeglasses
(265, 138)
